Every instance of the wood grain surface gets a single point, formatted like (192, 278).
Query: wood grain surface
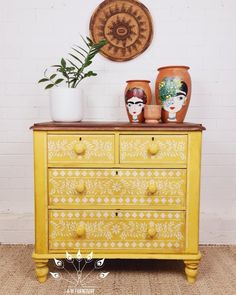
(119, 126)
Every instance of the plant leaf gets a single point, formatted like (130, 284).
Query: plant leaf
(65, 74)
(49, 86)
(103, 42)
(63, 71)
(63, 63)
(88, 63)
(82, 48)
(70, 69)
(85, 41)
(92, 55)
(59, 81)
(43, 80)
(89, 74)
(73, 64)
(78, 52)
(52, 76)
(75, 57)
(90, 41)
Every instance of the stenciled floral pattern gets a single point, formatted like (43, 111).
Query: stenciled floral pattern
(121, 186)
(98, 148)
(104, 227)
(171, 149)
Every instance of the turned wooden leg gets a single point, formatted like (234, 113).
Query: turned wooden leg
(41, 269)
(191, 269)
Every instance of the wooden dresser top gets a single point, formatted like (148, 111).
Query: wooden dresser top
(115, 126)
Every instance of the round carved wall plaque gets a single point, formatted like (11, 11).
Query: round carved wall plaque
(125, 24)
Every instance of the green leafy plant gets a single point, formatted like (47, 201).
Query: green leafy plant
(75, 70)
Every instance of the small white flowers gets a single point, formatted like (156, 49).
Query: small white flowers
(116, 187)
(116, 229)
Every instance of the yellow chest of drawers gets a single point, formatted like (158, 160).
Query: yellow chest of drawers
(120, 190)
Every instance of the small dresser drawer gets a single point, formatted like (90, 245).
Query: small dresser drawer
(80, 149)
(153, 149)
(117, 231)
(118, 187)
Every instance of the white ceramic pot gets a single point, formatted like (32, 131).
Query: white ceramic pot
(66, 104)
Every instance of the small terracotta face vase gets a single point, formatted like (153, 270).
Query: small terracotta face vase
(136, 98)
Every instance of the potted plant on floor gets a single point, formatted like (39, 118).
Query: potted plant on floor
(66, 102)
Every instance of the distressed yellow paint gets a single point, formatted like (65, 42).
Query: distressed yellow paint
(41, 197)
(117, 230)
(81, 148)
(153, 148)
(149, 225)
(106, 255)
(193, 192)
(118, 187)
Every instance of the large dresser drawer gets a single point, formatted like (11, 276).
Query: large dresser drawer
(153, 149)
(81, 149)
(118, 187)
(110, 230)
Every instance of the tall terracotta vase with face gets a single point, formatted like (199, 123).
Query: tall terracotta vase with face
(137, 95)
(173, 92)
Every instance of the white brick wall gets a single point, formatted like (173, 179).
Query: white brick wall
(199, 33)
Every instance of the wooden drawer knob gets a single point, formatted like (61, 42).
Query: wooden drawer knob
(152, 232)
(80, 187)
(79, 148)
(152, 188)
(153, 149)
(80, 230)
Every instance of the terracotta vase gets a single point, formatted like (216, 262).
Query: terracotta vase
(137, 95)
(152, 113)
(173, 92)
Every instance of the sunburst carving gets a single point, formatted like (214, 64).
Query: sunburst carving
(126, 25)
